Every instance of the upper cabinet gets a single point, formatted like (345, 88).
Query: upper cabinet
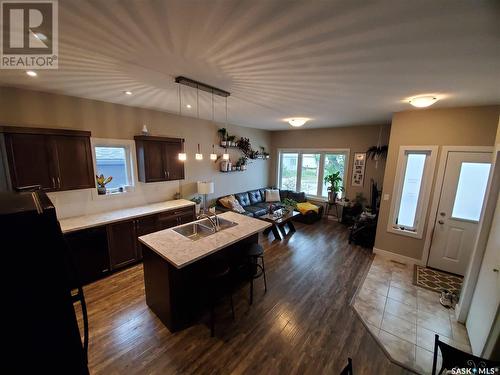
(54, 159)
(157, 158)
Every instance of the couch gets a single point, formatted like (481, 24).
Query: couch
(255, 205)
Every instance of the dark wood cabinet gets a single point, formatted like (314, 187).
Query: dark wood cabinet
(53, 159)
(157, 158)
(145, 225)
(89, 248)
(122, 244)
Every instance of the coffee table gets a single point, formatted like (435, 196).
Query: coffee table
(278, 224)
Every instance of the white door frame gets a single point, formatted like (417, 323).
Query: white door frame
(437, 195)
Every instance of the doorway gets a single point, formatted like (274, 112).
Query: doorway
(460, 201)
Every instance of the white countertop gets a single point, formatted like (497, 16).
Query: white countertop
(88, 221)
(181, 251)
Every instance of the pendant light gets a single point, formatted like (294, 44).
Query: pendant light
(182, 155)
(213, 155)
(225, 156)
(198, 155)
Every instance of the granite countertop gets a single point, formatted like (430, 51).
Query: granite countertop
(181, 251)
(88, 221)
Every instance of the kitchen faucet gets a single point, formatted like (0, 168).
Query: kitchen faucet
(214, 221)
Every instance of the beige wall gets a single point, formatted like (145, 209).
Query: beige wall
(355, 138)
(107, 120)
(468, 126)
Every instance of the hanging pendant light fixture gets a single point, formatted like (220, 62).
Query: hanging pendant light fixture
(225, 156)
(182, 155)
(213, 155)
(198, 155)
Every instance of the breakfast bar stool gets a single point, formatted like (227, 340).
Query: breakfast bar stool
(219, 284)
(254, 253)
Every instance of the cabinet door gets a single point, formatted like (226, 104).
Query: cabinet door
(29, 160)
(143, 226)
(89, 248)
(153, 161)
(174, 167)
(74, 161)
(122, 243)
(167, 220)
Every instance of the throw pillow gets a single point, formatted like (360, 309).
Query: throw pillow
(236, 206)
(225, 201)
(272, 195)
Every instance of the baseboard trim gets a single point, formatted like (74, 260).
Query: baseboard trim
(397, 257)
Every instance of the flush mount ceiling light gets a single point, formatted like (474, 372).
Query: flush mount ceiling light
(188, 106)
(31, 73)
(423, 101)
(297, 121)
(127, 92)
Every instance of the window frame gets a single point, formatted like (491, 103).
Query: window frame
(129, 147)
(322, 152)
(424, 193)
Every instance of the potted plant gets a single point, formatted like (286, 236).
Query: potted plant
(231, 140)
(335, 182)
(101, 183)
(223, 136)
(243, 163)
(289, 205)
(377, 152)
(197, 201)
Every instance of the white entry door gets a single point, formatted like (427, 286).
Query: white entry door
(461, 199)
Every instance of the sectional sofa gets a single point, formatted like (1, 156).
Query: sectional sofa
(255, 205)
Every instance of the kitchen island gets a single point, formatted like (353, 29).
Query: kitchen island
(175, 265)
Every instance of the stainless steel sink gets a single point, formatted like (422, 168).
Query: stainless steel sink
(194, 231)
(203, 228)
(223, 223)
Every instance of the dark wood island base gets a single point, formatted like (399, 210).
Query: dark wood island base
(178, 295)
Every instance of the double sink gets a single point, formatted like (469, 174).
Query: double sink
(203, 228)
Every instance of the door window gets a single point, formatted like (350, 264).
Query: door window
(471, 189)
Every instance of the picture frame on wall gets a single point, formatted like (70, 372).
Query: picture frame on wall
(358, 169)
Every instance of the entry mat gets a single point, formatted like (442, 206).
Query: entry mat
(437, 281)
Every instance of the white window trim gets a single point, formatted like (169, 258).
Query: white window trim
(322, 151)
(425, 189)
(129, 146)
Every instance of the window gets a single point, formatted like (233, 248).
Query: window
(412, 189)
(113, 159)
(471, 189)
(305, 170)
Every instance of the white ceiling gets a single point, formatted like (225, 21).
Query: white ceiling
(338, 62)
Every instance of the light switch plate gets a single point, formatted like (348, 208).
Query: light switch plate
(386, 197)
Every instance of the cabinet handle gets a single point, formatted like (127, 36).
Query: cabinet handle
(165, 174)
(168, 174)
(59, 181)
(53, 182)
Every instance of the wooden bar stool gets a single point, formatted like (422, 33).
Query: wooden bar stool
(254, 253)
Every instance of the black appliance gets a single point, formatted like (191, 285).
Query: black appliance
(42, 333)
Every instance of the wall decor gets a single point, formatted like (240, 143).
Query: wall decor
(358, 169)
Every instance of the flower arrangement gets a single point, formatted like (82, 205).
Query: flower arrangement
(101, 183)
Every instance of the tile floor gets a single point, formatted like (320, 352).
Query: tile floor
(403, 317)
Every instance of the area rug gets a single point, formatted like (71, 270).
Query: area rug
(437, 281)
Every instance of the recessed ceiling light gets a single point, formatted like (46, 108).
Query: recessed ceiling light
(423, 101)
(297, 121)
(31, 73)
(41, 36)
(188, 106)
(127, 92)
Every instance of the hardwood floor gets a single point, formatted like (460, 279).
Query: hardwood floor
(304, 324)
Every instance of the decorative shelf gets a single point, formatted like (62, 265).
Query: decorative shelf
(232, 171)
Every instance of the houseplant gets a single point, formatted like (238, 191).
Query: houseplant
(377, 152)
(223, 136)
(101, 183)
(335, 182)
(231, 140)
(243, 163)
(289, 205)
(197, 201)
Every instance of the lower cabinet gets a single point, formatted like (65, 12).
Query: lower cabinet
(89, 248)
(122, 244)
(101, 250)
